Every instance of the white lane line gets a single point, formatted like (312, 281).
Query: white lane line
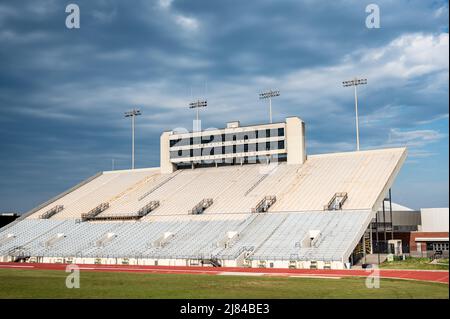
(315, 276)
(147, 270)
(227, 273)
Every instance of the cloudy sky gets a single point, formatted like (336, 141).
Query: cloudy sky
(63, 91)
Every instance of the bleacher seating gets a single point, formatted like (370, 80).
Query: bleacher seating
(244, 213)
(270, 236)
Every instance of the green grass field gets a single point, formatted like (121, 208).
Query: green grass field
(51, 284)
(415, 263)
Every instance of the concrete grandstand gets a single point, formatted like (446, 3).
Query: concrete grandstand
(238, 197)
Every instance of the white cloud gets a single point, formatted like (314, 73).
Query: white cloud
(381, 115)
(442, 11)
(409, 56)
(434, 119)
(13, 37)
(187, 22)
(104, 16)
(43, 8)
(415, 138)
(165, 3)
(404, 59)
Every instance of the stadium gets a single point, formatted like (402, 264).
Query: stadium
(241, 196)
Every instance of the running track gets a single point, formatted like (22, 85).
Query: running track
(423, 275)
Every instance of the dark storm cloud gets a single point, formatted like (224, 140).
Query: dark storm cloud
(63, 92)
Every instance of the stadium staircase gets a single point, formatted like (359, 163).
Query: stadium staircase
(160, 184)
(131, 189)
(259, 181)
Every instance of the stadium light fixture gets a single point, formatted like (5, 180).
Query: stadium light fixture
(355, 82)
(197, 105)
(133, 113)
(269, 95)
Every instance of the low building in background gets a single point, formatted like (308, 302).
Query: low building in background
(431, 239)
(404, 220)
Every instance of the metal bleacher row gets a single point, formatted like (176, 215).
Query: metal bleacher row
(270, 236)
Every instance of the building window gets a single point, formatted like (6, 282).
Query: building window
(207, 151)
(262, 134)
(207, 139)
(174, 142)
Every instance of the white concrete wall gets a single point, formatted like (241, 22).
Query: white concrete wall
(434, 219)
(166, 166)
(295, 140)
(174, 262)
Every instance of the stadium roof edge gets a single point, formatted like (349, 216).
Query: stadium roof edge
(375, 150)
(132, 170)
(390, 180)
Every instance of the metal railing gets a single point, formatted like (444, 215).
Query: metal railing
(53, 211)
(94, 212)
(264, 204)
(201, 207)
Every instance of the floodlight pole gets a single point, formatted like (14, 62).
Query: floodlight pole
(357, 119)
(133, 113)
(270, 110)
(268, 95)
(196, 105)
(132, 142)
(355, 82)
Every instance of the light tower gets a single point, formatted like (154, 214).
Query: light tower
(133, 113)
(269, 95)
(197, 105)
(355, 82)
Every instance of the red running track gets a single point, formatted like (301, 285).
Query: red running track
(441, 276)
